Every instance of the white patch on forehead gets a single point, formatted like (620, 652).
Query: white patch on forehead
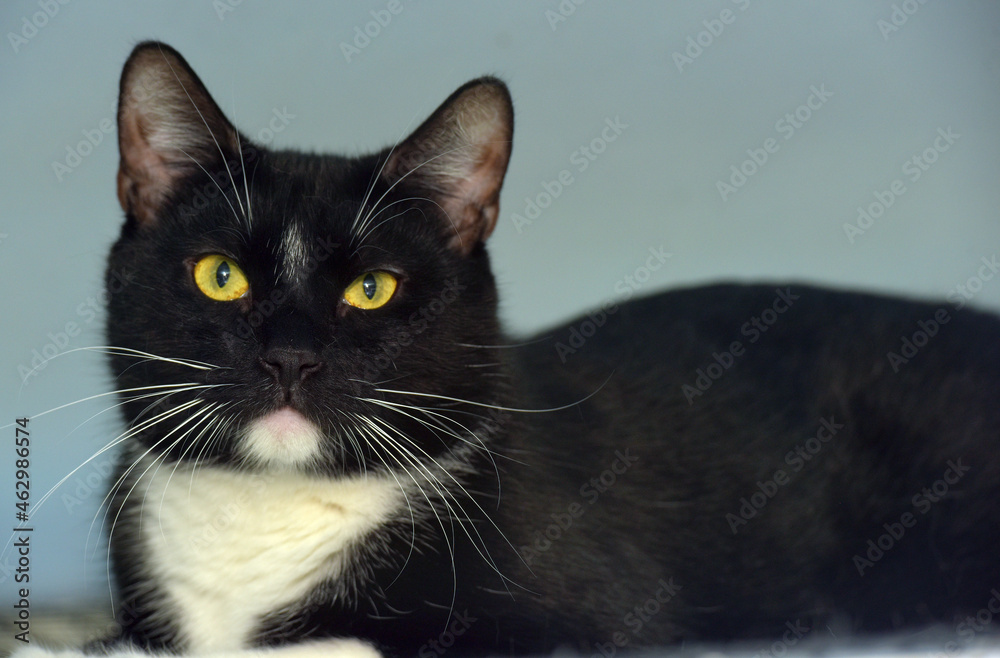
(295, 254)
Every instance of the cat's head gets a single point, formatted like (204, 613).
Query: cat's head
(292, 310)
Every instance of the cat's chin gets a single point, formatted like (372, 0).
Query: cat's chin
(283, 438)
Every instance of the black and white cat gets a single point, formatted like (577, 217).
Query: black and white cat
(333, 449)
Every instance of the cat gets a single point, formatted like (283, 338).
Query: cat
(334, 449)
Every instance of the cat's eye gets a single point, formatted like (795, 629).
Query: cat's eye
(219, 278)
(371, 290)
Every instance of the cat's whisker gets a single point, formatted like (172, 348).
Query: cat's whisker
(118, 351)
(159, 459)
(543, 339)
(494, 406)
(478, 543)
(191, 385)
(399, 408)
(162, 395)
(380, 382)
(218, 146)
(246, 186)
(41, 501)
(448, 472)
(377, 173)
(221, 430)
(367, 228)
(440, 486)
(399, 180)
(201, 415)
(478, 444)
(127, 351)
(342, 431)
(377, 436)
(406, 497)
(125, 436)
(392, 406)
(113, 443)
(207, 415)
(221, 190)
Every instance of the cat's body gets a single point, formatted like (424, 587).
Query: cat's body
(642, 493)
(710, 463)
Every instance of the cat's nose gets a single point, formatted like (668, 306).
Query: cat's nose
(290, 365)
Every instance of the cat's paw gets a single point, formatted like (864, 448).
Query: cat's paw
(40, 652)
(331, 648)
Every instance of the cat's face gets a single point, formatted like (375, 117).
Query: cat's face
(300, 311)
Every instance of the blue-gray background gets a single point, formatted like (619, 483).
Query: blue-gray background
(890, 91)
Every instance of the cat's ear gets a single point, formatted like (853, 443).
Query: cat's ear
(168, 127)
(459, 157)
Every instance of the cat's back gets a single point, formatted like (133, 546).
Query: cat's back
(770, 431)
(695, 342)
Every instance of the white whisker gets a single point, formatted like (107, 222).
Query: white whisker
(494, 406)
(211, 134)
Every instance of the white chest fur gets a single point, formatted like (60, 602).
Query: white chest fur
(228, 548)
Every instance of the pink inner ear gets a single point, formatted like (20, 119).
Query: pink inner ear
(168, 126)
(143, 175)
(474, 204)
(459, 157)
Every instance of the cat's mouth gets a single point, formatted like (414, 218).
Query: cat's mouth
(282, 438)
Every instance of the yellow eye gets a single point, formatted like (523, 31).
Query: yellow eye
(220, 278)
(371, 290)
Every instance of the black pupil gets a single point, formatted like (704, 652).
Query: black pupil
(222, 274)
(369, 286)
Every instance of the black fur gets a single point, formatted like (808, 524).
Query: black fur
(671, 492)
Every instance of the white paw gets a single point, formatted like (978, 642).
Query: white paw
(35, 651)
(331, 648)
